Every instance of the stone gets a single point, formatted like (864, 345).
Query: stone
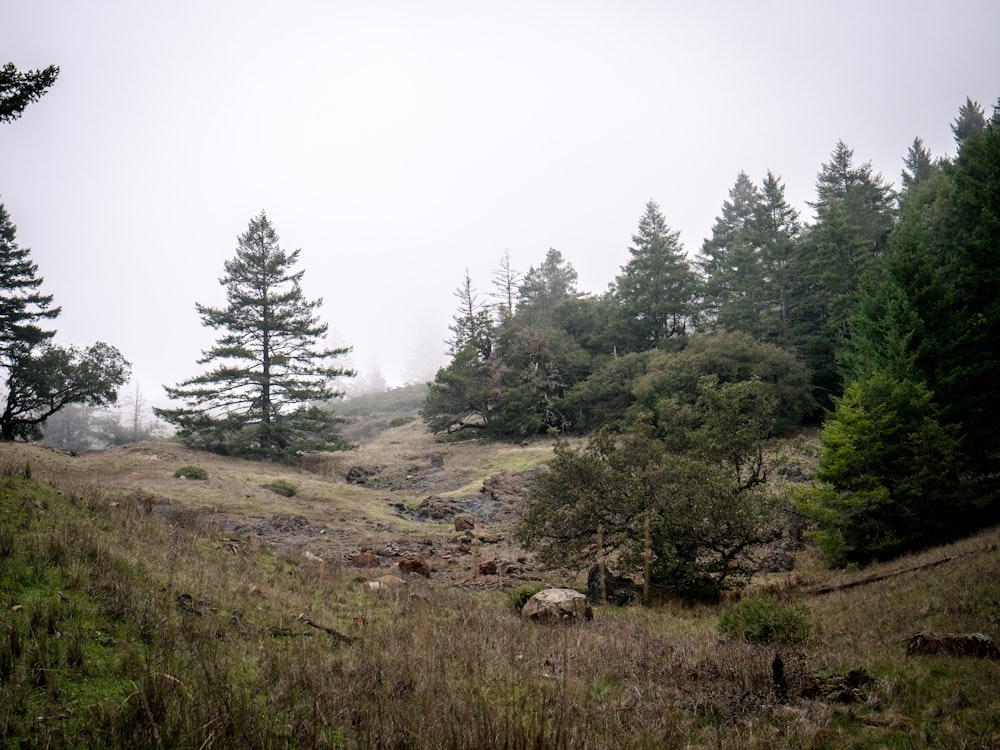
(557, 605)
(488, 568)
(365, 560)
(385, 582)
(415, 566)
(926, 643)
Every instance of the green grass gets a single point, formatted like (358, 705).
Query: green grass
(120, 629)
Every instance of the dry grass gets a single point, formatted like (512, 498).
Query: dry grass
(126, 628)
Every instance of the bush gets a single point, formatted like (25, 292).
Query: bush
(282, 487)
(519, 596)
(191, 472)
(765, 621)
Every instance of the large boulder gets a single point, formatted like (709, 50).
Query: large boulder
(557, 605)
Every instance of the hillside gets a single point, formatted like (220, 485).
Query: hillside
(141, 609)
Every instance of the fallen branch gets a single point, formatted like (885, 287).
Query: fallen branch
(330, 631)
(877, 578)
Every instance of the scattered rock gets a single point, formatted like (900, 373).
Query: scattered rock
(416, 567)
(464, 523)
(360, 474)
(926, 643)
(436, 509)
(385, 582)
(488, 568)
(365, 560)
(557, 605)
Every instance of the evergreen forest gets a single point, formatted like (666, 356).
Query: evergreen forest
(877, 320)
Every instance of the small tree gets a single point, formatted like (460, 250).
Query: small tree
(704, 516)
(263, 396)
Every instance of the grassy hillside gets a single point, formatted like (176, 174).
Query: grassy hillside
(138, 612)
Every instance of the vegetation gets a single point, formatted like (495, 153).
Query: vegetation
(191, 472)
(683, 515)
(43, 378)
(18, 90)
(765, 620)
(122, 630)
(879, 318)
(282, 487)
(263, 397)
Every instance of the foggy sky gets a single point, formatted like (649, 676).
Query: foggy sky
(399, 143)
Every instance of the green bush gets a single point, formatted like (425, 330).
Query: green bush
(519, 596)
(765, 621)
(282, 487)
(191, 472)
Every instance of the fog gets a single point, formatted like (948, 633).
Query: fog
(399, 143)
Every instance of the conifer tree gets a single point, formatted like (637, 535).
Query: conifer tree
(266, 392)
(42, 378)
(657, 289)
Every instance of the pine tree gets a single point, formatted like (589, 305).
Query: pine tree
(18, 90)
(22, 305)
(970, 122)
(918, 166)
(657, 290)
(731, 263)
(265, 392)
(43, 378)
(855, 215)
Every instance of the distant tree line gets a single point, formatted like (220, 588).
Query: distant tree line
(878, 319)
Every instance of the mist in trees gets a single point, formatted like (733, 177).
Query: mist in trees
(877, 318)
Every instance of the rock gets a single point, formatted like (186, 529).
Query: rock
(415, 566)
(360, 474)
(436, 509)
(510, 487)
(488, 568)
(927, 643)
(365, 560)
(557, 605)
(464, 523)
(385, 582)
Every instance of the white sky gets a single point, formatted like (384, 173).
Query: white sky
(398, 143)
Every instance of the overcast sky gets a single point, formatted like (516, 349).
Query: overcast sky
(399, 143)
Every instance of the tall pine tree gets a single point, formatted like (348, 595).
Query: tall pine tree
(265, 392)
(657, 290)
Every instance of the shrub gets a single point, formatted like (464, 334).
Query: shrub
(191, 472)
(282, 487)
(519, 596)
(765, 620)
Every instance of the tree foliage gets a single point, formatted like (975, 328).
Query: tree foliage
(626, 488)
(41, 377)
(270, 380)
(657, 289)
(18, 90)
